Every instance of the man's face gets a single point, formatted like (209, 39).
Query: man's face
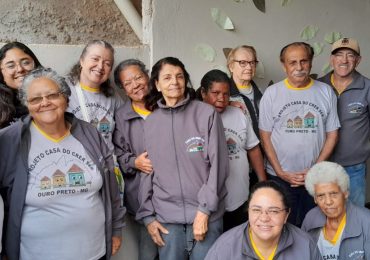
(297, 66)
(344, 62)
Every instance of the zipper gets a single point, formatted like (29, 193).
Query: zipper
(177, 165)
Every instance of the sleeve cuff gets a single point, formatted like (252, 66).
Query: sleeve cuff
(204, 210)
(148, 220)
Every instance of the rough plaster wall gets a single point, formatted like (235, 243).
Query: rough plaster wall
(64, 22)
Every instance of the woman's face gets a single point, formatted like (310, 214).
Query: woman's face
(267, 215)
(96, 66)
(135, 83)
(171, 82)
(242, 67)
(331, 200)
(217, 95)
(15, 66)
(50, 108)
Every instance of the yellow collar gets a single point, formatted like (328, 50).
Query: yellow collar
(90, 89)
(287, 84)
(258, 253)
(339, 230)
(48, 136)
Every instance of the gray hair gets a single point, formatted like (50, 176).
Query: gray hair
(125, 64)
(43, 73)
(326, 172)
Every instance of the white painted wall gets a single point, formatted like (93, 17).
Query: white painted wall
(179, 25)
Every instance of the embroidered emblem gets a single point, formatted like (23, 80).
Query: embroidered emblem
(195, 144)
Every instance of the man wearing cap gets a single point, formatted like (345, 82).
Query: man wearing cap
(353, 92)
(298, 125)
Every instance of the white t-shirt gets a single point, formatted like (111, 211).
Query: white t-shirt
(298, 120)
(64, 215)
(100, 109)
(240, 137)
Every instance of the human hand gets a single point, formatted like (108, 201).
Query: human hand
(116, 244)
(143, 163)
(238, 105)
(200, 226)
(295, 179)
(155, 229)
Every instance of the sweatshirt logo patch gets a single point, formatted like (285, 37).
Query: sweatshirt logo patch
(194, 144)
(355, 108)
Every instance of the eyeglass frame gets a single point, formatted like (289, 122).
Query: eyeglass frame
(18, 63)
(271, 211)
(137, 78)
(252, 63)
(50, 97)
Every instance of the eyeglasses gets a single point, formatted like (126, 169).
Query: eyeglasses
(271, 212)
(27, 64)
(38, 100)
(244, 63)
(137, 79)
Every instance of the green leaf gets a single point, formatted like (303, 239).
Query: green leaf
(260, 5)
(221, 19)
(309, 32)
(317, 47)
(205, 52)
(332, 37)
(285, 2)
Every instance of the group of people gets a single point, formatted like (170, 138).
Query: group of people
(186, 157)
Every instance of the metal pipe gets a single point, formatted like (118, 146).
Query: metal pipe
(132, 16)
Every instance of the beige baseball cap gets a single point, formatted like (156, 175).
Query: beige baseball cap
(348, 43)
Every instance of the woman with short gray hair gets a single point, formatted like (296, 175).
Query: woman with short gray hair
(58, 175)
(340, 229)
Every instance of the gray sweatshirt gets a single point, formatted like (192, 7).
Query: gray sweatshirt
(236, 245)
(355, 242)
(128, 140)
(187, 147)
(353, 145)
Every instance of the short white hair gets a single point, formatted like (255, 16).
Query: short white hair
(326, 172)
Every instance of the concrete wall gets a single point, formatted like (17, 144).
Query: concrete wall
(179, 25)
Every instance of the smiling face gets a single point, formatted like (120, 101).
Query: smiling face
(15, 66)
(96, 65)
(243, 75)
(297, 66)
(331, 200)
(48, 111)
(171, 82)
(217, 96)
(135, 83)
(266, 227)
(344, 62)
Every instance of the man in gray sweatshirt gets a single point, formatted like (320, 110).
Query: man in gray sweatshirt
(353, 93)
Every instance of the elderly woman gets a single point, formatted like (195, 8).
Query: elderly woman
(340, 229)
(16, 61)
(62, 196)
(182, 201)
(242, 63)
(131, 75)
(241, 142)
(266, 235)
